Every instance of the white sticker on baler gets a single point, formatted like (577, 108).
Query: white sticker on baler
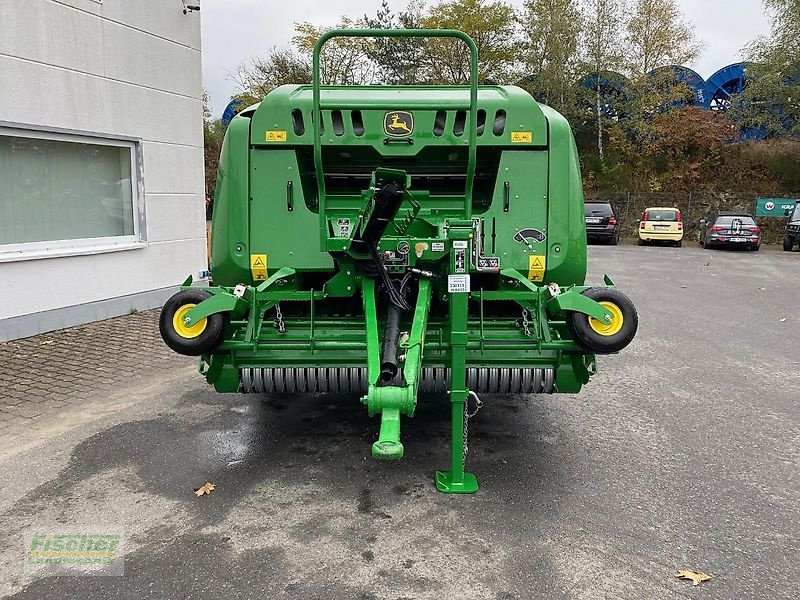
(458, 284)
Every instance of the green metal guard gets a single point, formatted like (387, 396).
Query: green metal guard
(319, 105)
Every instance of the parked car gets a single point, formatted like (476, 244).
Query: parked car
(659, 224)
(792, 229)
(601, 223)
(729, 229)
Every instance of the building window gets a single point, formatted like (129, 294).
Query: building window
(65, 194)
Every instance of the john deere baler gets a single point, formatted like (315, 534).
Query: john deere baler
(388, 241)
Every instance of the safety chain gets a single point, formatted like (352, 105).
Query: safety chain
(524, 322)
(278, 322)
(467, 416)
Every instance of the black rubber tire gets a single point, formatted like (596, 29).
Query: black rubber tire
(679, 244)
(756, 248)
(788, 242)
(640, 242)
(586, 337)
(210, 337)
(614, 240)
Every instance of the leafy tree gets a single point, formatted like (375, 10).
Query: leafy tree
(603, 52)
(772, 98)
(553, 30)
(658, 35)
(344, 61)
(213, 134)
(400, 61)
(262, 75)
(493, 26)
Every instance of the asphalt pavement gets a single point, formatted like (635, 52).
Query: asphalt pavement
(681, 453)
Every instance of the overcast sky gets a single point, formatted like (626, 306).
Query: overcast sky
(236, 30)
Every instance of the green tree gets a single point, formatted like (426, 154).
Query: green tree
(262, 75)
(344, 61)
(493, 26)
(603, 51)
(772, 97)
(213, 134)
(400, 61)
(658, 35)
(553, 29)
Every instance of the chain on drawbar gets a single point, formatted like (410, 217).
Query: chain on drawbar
(278, 322)
(468, 415)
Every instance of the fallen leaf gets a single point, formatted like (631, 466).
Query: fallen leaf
(697, 577)
(206, 489)
(763, 289)
(46, 342)
(783, 320)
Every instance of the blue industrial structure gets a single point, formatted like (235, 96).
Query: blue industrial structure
(712, 94)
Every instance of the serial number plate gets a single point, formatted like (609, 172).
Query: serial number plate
(458, 284)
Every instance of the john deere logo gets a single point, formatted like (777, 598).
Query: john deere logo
(398, 123)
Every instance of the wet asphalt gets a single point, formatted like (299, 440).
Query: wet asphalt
(681, 453)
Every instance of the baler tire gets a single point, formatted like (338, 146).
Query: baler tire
(208, 337)
(605, 343)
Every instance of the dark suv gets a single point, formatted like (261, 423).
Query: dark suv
(601, 223)
(792, 229)
(730, 229)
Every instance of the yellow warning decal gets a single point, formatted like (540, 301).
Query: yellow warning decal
(536, 267)
(276, 136)
(258, 266)
(521, 137)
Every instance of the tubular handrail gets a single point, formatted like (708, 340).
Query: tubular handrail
(393, 33)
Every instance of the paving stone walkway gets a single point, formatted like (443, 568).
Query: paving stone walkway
(43, 374)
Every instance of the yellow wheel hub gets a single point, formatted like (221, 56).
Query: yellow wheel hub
(611, 328)
(181, 328)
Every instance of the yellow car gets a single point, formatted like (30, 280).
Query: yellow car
(660, 224)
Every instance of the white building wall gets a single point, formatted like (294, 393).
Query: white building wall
(115, 68)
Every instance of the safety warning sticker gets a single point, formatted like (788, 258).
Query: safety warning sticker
(458, 284)
(536, 267)
(343, 225)
(275, 136)
(258, 266)
(521, 137)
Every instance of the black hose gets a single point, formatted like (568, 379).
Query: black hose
(389, 349)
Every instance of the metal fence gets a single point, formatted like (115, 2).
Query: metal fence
(629, 207)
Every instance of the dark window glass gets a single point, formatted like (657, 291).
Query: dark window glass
(598, 210)
(728, 221)
(662, 215)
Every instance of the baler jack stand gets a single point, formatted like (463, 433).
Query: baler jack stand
(456, 480)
